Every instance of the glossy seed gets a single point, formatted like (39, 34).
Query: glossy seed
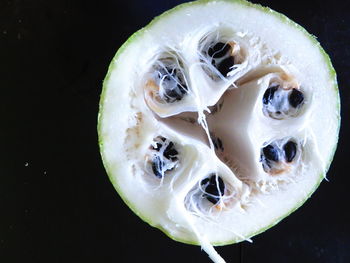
(226, 65)
(269, 93)
(214, 188)
(157, 166)
(270, 153)
(218, 50)
(170, 152)
(296, 98)
(290, 150)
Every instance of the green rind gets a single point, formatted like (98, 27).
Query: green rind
(138, 34)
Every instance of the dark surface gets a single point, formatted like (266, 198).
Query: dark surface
(57, 204)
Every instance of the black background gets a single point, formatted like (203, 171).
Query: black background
(57, 204)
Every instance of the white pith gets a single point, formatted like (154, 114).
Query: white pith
(272, 50)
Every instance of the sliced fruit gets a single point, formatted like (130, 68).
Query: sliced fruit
(214, 126)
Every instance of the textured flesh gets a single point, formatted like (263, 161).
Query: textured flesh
(127, 125)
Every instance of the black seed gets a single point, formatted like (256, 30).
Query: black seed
(269, 93)
(290, 150)
(170, 152)
(296, 98)
(226, 65)
(270, 153)
(157, 166)
(213, 191)
(219, 50)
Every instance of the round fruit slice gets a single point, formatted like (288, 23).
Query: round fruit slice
(214, 126)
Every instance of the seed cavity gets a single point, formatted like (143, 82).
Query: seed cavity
(221, 56)
(213, 188)
(281, 103)
(164, 156)
(167, 80)
(278, 156)
(220, 53)
(171, 83)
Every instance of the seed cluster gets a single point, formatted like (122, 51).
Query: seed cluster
(165, 156)
(280, 103)
(274, 156)
(221, 57)
(214, 188)
(172, 86)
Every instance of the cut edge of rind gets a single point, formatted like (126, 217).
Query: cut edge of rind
(137, 34)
